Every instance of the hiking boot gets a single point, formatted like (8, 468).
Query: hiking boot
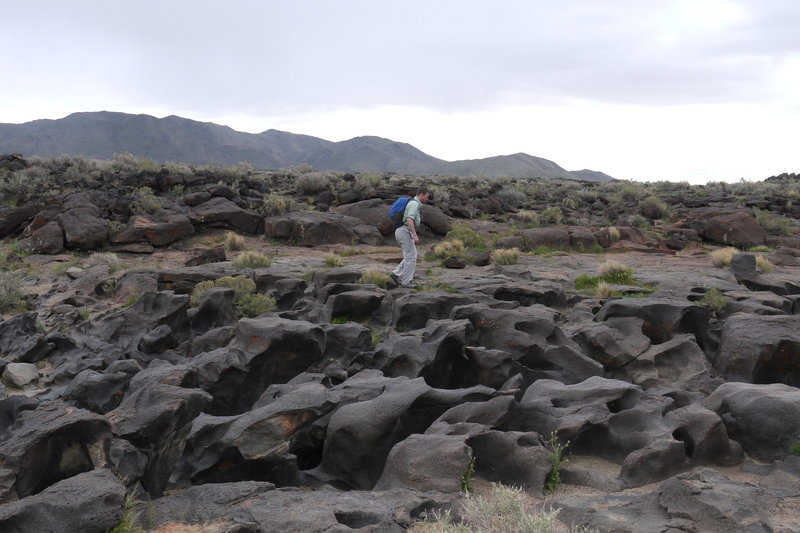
(394, 278)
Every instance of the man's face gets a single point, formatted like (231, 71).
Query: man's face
(424, 198)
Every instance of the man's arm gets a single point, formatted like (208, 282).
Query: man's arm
(410, 222)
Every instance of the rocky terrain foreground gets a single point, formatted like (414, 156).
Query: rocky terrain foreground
(348, 404)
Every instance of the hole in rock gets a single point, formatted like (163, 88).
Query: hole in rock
(57, 459)
(688, 444)
(628, 400)
(356, 519)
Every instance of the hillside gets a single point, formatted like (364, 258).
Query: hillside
(100, 135)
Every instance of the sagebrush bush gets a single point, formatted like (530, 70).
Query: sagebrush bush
(104, 258)
(505, 256)
(503, 510)
(715, 301)
(313, 183)
(764, 264)
(10, 290)
(252, 259)
(275, 204)
(513, 196)
(551, 216)
(333, 261)
(603, 291)
(247, 302)
(614, 271)
(653, 207)
(234, 241)
(375, 277)
(145, 201)
(722, 257)
(449, 248)
(613, 234)
(470, 238)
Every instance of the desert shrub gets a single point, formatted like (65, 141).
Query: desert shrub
(129, 521)
(333, 261)
(778, 226)
(313, 183)
(145, 201)
(654, 207)
(104, 258)
(125, 162)
(638, 221)
(613, 271)
(551, 216)
(246, 301)
(722, 257)
(503, 510)
(469, 237)
(603, 291)
(613, 234)
(10, 290)
(252, 259)
(528, 217)
(629, 192)
(449, 248)
(275, 204)
(755, 249)
(505, 256)
(234, 241)
(369, 181)
(512, 196)
(375, 277)
(764, 264)
(255, 304)
(715, 301)
(585, 281)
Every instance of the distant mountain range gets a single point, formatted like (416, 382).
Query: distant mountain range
(99, 135)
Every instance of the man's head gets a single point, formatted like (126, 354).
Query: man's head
(423, 194)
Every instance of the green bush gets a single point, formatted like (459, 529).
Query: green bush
(372, 276)
(145, 201)
(612, 271)
(503, 510)
(715, 301)
(505, 256)
(313, 183)
(275, 204)
(554, 477)
(470, 238)
(654, 208)
(551, 216)
(247, 302)
(10, 290)
(252, 259)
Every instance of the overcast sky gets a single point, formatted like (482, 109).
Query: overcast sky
(693, 90)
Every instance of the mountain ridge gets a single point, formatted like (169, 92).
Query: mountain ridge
(101, 134)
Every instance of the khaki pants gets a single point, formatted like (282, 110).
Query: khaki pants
(405, 270)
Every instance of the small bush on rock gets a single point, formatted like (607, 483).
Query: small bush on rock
(764, 264)
(503, 510)
(715, 301)
(252, 259)
(10, 290)
(613, 271)
(722, 257)
(234, 241)
(469, 237)
(449, 248)
(374, 277)
(248, 303)
(145, 202)
(505, 256)
(603, 291)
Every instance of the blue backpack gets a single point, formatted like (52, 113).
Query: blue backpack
(397, 210)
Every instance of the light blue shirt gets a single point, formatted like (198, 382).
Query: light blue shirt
(412, 212)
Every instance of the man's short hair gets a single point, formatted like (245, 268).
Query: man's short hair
(422, 190)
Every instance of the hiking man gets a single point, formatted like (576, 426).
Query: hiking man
(407, 238)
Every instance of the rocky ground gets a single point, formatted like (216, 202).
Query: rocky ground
(353, 405)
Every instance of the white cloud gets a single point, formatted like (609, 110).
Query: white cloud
(685, 89)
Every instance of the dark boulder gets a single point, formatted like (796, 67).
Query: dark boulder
(90, 502)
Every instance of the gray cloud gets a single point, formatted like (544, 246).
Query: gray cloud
(278, 57)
